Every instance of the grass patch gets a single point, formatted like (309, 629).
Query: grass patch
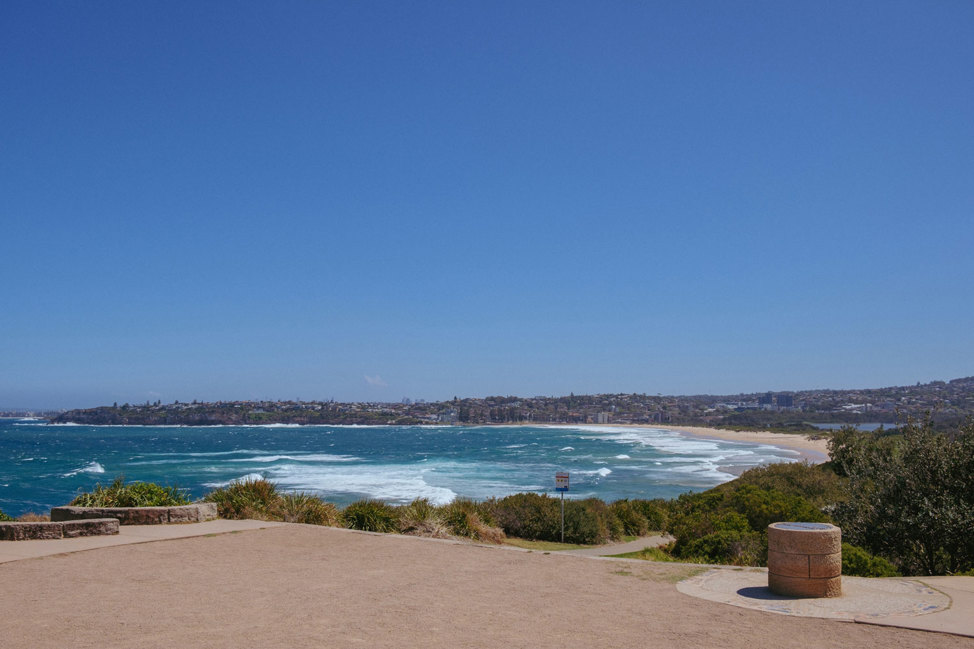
(543, 546)
(134, 494)
(646, 554)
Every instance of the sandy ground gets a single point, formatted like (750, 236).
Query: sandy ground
(300, 586)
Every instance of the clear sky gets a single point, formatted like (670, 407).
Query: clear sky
(377, 200)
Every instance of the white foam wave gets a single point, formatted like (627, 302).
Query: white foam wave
(622, 457)
(309, 457)
(567, 448)
(603, 472)
(227, 483)
(390, 483)
(91, 467)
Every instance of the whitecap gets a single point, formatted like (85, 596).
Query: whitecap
(389, 483)
(623, 457)
(227, 483)
(567, 448)
(91, 467)
(603, 472)
(309, 457)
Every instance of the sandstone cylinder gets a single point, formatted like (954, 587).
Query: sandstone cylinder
(805, 559)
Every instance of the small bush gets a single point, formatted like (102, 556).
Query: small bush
(656, 513)
(527, 516)
(308, 509)
(31, 517)
(135, 494)
(856, 562)
(727, 546)
(4, 517)
(633, 521)
(538, 517)
(370, 516)
(256, 499)
(590, 521)
(765, 506)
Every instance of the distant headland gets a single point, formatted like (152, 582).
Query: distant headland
(949, 403)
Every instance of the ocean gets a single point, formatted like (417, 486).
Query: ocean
(47, 465)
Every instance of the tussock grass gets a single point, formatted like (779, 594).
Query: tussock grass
(469, 519)
(31, 517)
(256, 499)
(308, 509)
(370, 515)
(422, 518)
(134, 494)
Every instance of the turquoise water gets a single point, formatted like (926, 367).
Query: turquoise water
(47, 465)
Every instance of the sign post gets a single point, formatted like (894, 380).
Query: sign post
(561, 484)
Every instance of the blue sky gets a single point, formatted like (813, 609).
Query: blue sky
(383, 200)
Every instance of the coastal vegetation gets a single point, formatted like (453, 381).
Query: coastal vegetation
(904, 501)
(910, 497)
(134, 494)
(4, 517)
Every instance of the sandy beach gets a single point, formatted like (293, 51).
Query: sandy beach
(302, 586)
(815, 451)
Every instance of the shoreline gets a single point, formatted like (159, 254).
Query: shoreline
(814, 451)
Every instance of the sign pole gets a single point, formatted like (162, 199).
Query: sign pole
(561, 484)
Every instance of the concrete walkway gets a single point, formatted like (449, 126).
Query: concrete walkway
(621, 548)
(958, 619)
(128, 534)
(942, 604)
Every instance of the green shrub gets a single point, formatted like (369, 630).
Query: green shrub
(727, 546)
(589, 522)
(816, 483)
(631, 517)
(308, 509)
(856, 562)
(765, 506)
(910, 498)
(4, 517)
(538, 517)
(256, 499)
(134, 494)
(370, 516)
(528, 516)
(656, 512)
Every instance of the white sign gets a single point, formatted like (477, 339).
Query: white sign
(561, 481)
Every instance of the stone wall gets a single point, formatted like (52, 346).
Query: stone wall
(17, 531)
(195, 513)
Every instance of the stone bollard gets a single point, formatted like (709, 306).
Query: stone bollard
(805, 559)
